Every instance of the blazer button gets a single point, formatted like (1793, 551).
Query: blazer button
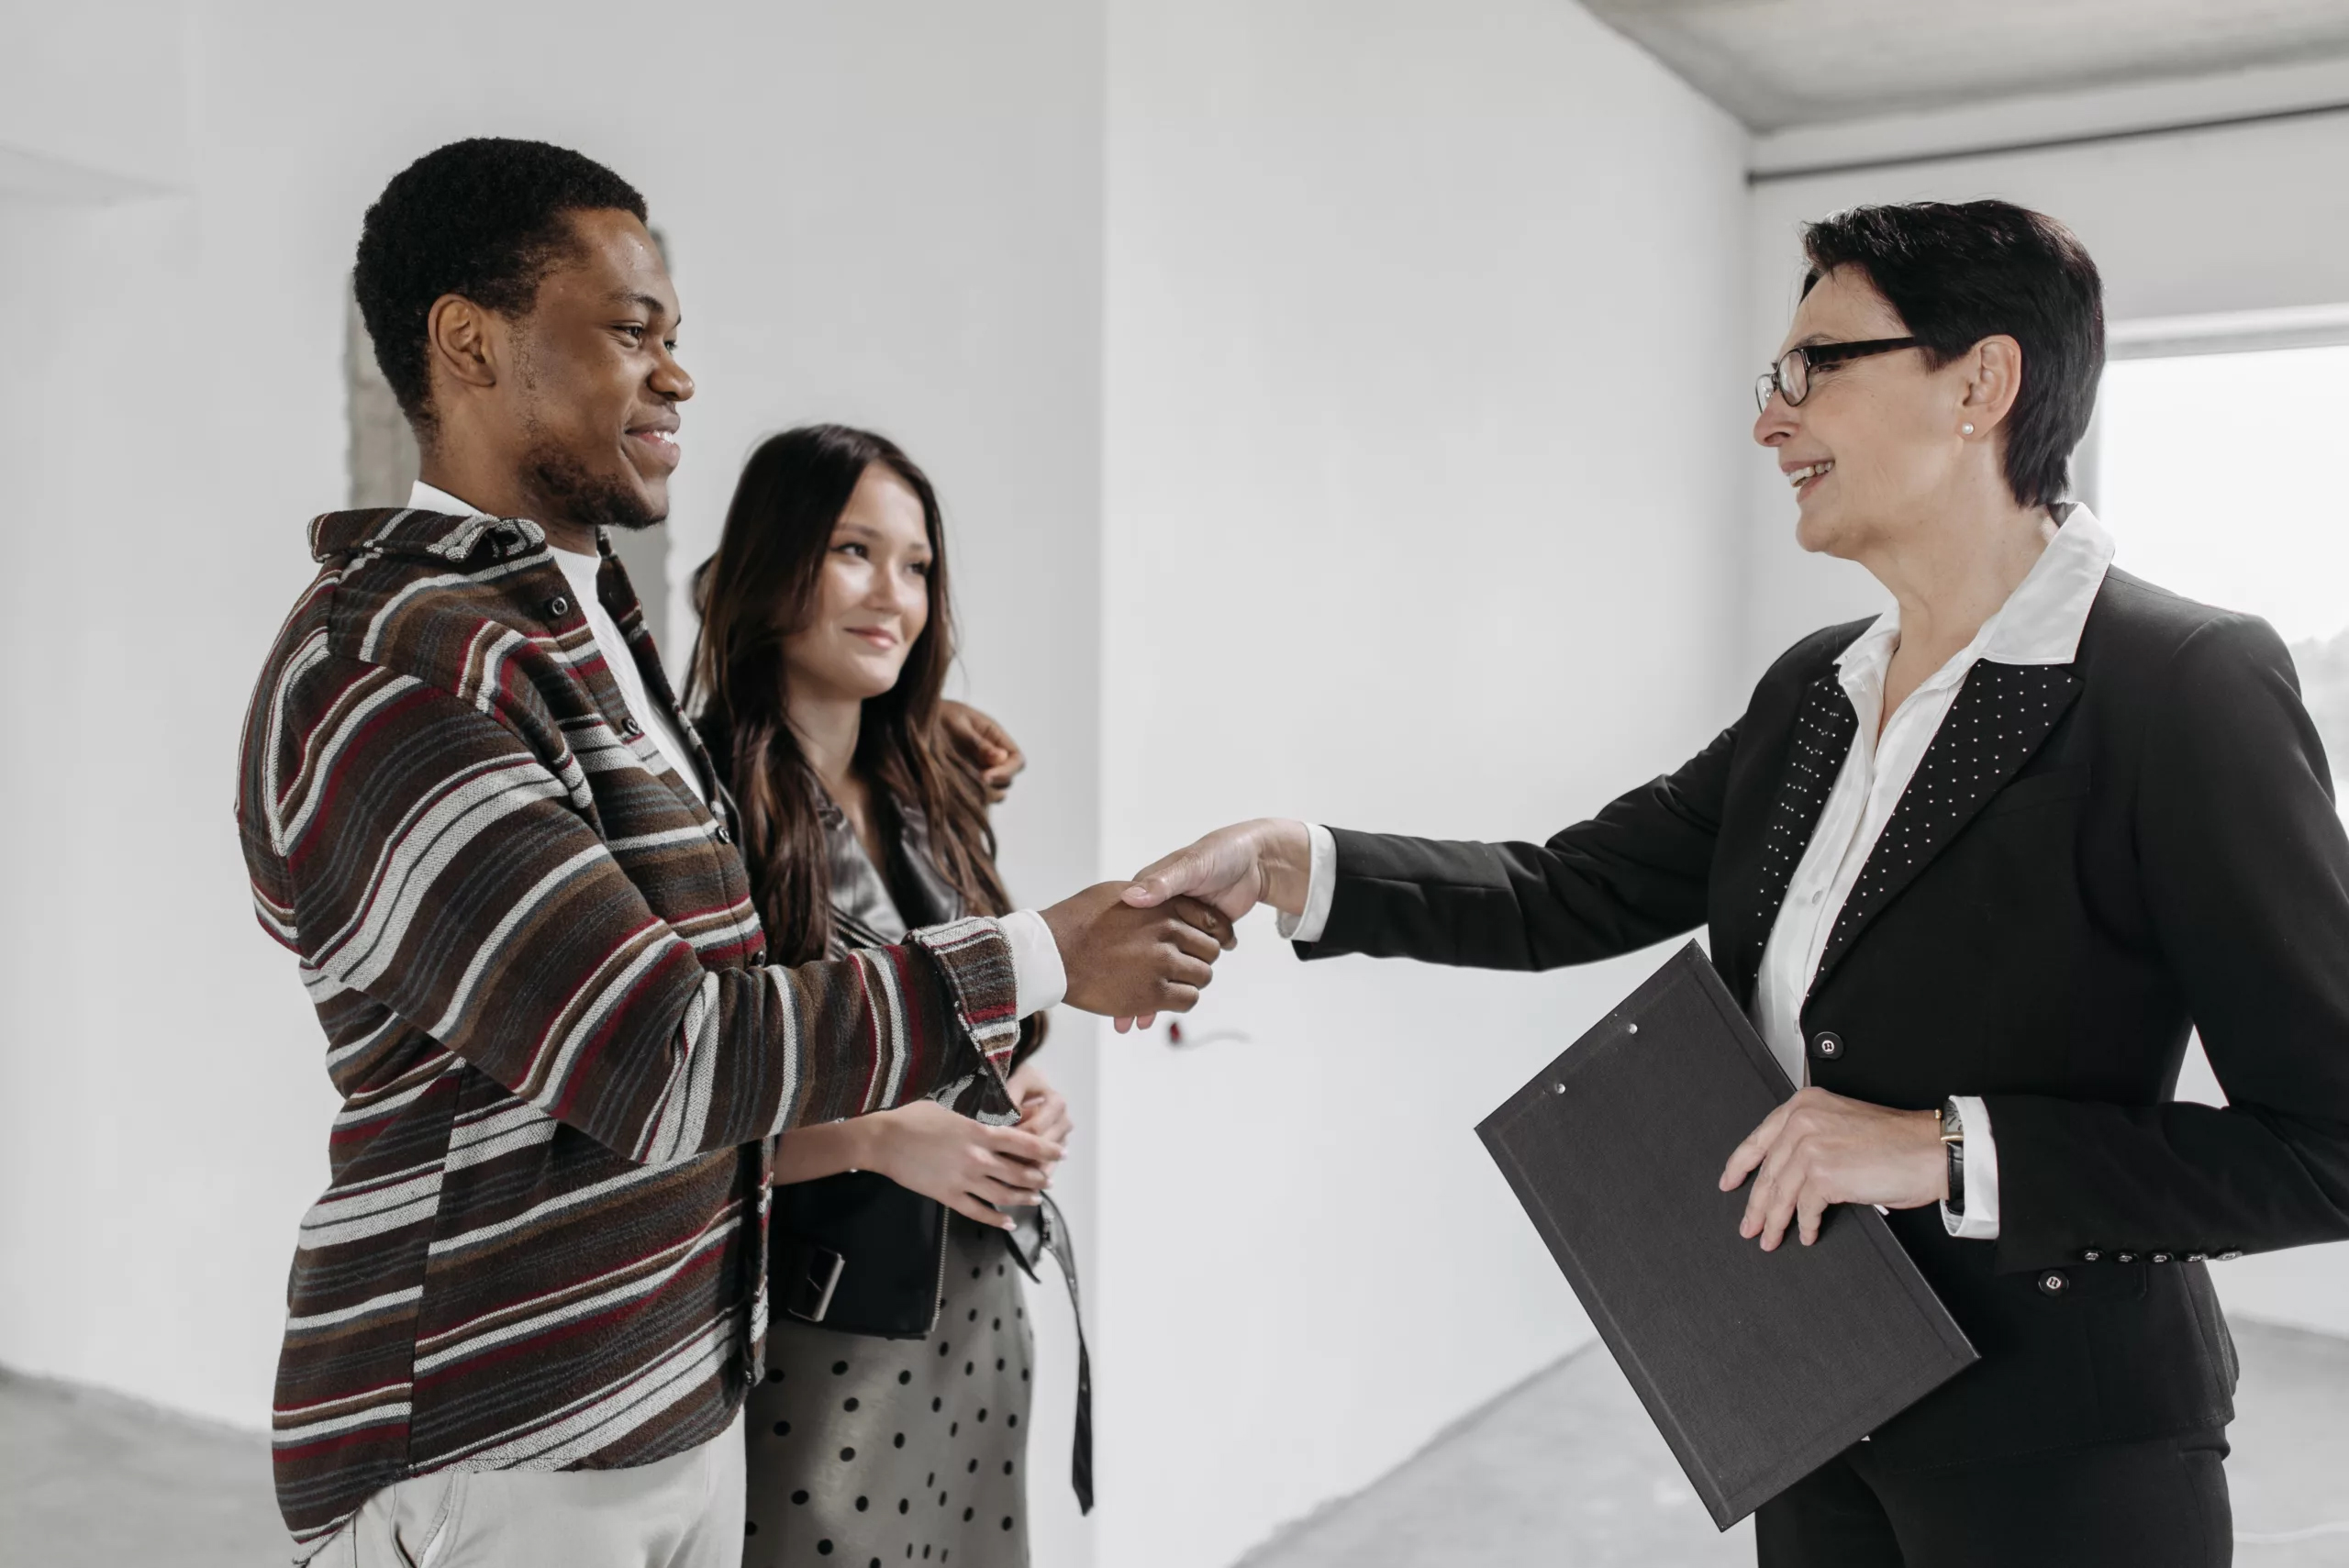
(557, 607)
(2161, 1257)
(2228, 1257)
(724, 836)
(2090, 1255)
(2053, 1283)
(2125, 1258)
(1826, 1045)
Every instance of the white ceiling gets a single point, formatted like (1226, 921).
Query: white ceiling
(1776, 64)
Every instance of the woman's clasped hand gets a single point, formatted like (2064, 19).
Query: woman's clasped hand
(976, 1170)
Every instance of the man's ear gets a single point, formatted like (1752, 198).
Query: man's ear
(466, 342)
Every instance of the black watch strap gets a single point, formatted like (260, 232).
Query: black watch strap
(1954, 1149)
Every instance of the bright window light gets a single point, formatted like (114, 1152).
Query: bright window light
(2222, 478)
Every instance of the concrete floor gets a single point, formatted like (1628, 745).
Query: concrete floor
(1564, 1469)
(88, 1478)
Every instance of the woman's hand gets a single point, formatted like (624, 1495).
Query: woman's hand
(965, 1165)
(1043, 1111)
(1268, 860)
(1818, 1148)
(985, 745)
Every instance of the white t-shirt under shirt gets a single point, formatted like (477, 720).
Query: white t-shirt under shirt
(1039, 982)
(579, 570)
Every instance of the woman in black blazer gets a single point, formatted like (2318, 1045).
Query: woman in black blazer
(1977, 869)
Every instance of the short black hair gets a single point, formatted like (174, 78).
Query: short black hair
(1958, 272)
(482, 218)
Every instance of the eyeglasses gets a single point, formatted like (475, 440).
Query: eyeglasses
(1790, 377)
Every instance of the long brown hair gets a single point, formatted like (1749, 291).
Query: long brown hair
(756, 591)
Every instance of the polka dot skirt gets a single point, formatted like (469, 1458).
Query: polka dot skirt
(868, 1452)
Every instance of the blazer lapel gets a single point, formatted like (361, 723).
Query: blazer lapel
(2001, 714)
(1822, 738)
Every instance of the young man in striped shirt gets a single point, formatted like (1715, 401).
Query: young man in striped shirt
(524, 1315)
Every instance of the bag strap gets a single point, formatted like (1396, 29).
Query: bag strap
(1054, 1238)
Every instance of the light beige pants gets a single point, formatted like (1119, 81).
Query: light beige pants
(682, 1512)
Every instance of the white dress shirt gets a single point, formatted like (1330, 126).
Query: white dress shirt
(1040, 980)
(2040, 623)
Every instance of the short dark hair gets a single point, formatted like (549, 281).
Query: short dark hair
(482, 218)
(1958, 272)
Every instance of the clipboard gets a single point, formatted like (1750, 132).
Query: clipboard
(1757, 1367)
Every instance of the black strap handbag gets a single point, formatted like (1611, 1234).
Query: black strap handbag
(860, 1254)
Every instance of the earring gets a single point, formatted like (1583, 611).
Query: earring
(1965, 429)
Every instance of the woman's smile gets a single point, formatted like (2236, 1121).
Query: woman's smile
(1806, 479)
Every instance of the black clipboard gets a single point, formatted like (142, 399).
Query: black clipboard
(1757, 1367)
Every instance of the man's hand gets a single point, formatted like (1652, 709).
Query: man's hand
(1269, 861)
(985, 745)
(1128, 962)
(1818, 1148)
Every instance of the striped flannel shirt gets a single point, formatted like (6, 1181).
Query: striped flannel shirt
(562, 1053)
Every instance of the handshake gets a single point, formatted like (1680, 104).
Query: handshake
(1133, 950)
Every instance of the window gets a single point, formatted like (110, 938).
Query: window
(2221, 476)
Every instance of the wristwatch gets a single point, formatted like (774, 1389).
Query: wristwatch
(1953, 1149)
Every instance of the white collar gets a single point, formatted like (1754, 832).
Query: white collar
(426, 497)
(2041, 622)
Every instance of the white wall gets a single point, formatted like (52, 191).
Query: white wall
(1423, 401)
(889, 213)
(2254, 218)
(96, 98)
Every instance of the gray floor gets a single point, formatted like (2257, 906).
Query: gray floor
(1564, 1469)
(89, 1478)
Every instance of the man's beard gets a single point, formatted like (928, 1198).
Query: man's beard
(582, 497)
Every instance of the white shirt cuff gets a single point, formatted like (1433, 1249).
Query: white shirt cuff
(1038, 981)
(1320, 887)
(1980, 1220)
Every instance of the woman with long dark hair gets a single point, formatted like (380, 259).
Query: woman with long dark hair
(892, 1423)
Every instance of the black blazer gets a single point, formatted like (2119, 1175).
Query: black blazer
(2092, 861)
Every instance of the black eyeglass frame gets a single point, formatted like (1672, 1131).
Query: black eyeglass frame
(1810, 356)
